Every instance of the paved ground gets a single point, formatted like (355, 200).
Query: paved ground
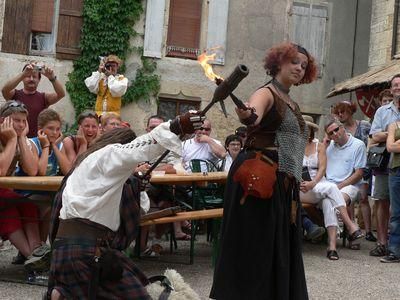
(355, 276)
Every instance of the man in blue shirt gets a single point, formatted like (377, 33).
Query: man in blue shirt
(346, 159)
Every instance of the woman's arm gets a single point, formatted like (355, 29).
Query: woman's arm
(62, 159)
(321, 163)
(69, 149)
(262, 101)
(391, 144)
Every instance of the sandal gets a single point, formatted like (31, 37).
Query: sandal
(379, 250)
(187, 227)
(332, 255)
(149, 253)
(353, 246)
(183, 237)
(355, 235)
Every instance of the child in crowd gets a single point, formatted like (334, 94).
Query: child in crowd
(233, 145)
(88, 131)
(19, 221)
(110, 121)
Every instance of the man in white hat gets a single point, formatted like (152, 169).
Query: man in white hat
(108, 85)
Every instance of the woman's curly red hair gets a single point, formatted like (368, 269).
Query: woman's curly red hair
(283, 53)
(350, 107)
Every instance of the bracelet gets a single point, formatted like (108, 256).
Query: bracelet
(48, 146)
(250, 120)
(53, 79)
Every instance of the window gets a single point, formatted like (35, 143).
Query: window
(171, 107)
(396, 30)
(309, 29)
(184, 28)
(185, 21)
(42, 27)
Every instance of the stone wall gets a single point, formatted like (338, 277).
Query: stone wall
(381, 32)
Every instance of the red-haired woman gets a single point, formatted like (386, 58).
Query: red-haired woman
(260, 256)
(360, 130)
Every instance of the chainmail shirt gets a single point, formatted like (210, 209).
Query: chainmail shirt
(291, 143)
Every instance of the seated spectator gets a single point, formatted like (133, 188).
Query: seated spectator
(88, 129)
(202, 146)
(347, 175)
(233, 145)
(48, 150)
(316, 189)
(19, 222)
(110, 121)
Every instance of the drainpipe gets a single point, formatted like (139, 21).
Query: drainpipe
(354, 46)
(394, 31)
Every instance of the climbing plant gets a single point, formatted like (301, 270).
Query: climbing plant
(108, 28)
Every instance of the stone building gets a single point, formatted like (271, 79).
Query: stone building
(174, 32)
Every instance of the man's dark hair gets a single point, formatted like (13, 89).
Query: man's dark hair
(155, 117)
(395, 76)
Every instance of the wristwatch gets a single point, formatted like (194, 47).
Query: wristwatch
(53, 79)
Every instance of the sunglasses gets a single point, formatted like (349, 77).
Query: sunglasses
(333, 131)
(204, 128)
(15, 104)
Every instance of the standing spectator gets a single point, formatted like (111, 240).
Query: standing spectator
(88, 130)
(203, 147)
(242, 132)
(385, 97)
(260, 253)
(360, 130)
(384, 116)
(392, 144)
(108, 85)
(34, 100)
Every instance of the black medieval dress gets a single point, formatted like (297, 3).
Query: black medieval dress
(260, 254)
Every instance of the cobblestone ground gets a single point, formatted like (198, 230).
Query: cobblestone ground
(356, 275)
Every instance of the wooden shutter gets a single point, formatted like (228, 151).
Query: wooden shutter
(42, 16)
(154, 30)
(70, 22)
(309, 29)
(217, 29)
(184, 28)
(17, 26)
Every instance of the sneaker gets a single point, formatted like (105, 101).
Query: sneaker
(370, 237)
(391, 258)
(379, 250)
(39, 260)
(315, 232)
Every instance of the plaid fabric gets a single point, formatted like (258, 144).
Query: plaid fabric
(70, 271)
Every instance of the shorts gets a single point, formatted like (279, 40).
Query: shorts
(381, 187)
(351, 191)
(16, 216)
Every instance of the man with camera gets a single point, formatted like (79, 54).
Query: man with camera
(35, 101)
(108, 85)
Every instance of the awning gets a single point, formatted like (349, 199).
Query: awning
(369, 79)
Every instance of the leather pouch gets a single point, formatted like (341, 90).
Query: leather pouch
(257, 177)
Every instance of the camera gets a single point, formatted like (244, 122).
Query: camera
(38, 68)
(108, 66)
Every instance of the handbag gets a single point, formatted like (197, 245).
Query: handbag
(305, 175)
(378, 157)
(257, 177)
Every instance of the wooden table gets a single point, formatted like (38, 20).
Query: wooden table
(198, 178)
(32, 183)
(52, 183)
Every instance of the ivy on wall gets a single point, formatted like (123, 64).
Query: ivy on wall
(108, 29)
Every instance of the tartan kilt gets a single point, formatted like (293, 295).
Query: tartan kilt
(71, 273)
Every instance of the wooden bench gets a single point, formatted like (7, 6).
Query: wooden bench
(181, 216)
